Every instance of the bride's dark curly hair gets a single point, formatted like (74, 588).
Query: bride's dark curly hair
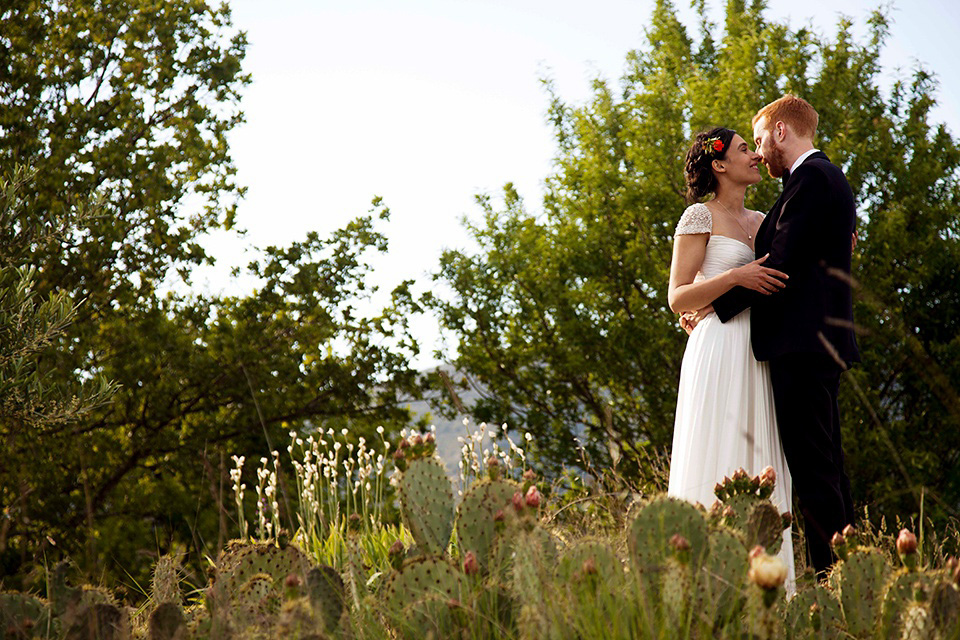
(707, 146)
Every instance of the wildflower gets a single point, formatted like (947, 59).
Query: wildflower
(380, 430)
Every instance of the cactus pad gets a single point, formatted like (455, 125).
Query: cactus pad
(239, 563)
(860, 580)
(426, 502)
(813, 613)
(724, 572)
(422, 577)
(167, 622)
(659, 520)
(476, 530)
(19, 613)
(327, 594)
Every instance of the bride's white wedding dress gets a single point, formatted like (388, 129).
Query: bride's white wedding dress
(725, 416)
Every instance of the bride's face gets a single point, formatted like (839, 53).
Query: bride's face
(740, 164)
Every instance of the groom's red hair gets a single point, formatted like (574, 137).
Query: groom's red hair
(793, 111)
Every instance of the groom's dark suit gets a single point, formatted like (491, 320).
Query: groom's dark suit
(806, 332)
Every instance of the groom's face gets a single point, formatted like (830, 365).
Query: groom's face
(764, 136)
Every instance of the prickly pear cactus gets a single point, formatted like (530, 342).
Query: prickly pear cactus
(327, 595)
(25, 616)
(476, 528)
(724, 573)
(426, 502)
(945, 610)
(764, 527)
(656, 523)
(901, 591)
(167, 622)
(590, 558)
(238, 564)
(859, 580)
(813, 614)
(98, 620)
(298, 620)
(423, 577)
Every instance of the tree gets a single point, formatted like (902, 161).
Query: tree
(130, 103)
(561, 317)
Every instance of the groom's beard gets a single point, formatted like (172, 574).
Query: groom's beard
(776, 165)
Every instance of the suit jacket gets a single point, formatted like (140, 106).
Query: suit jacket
(808, 235)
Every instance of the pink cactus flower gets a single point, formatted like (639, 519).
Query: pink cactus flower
(518, 501)
(756, 551)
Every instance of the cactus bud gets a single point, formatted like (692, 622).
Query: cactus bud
(533, 497)
(907, 549)
(499, 516)
(906, 542)
(430, 438)
(589, 567)
(529, 475)
(399, 459)
(850, 535)
(470, 564)
(679, 543)
(839, 544)
(681, 548)
(740, 474)
(755, 483)
(404, 444)
(395, 554)
(729, 513)
(291, 586)
(757, 551)
(787, 519)
(493, 468)
(416, 440)
(769, 475)
(518, 501)
(720, 491)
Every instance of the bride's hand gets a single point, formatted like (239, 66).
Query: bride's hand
(759, 278)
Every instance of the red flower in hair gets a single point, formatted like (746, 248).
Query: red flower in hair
(713, 145)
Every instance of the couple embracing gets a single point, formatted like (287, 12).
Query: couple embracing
(768, 304)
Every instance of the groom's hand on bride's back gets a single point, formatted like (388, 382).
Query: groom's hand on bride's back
(757, 277)
(690, 319)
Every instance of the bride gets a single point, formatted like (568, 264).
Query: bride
(725, 416)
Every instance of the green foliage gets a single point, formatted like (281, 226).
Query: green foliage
(560, 317)
(129, 106)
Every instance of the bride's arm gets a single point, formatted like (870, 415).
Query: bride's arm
(686, 295)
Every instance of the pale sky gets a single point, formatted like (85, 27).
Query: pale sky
(427, 103)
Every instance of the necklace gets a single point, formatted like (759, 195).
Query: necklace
(736, 219)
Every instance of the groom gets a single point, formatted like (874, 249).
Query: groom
(805, 331)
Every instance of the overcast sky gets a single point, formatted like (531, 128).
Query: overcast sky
(427, 103)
